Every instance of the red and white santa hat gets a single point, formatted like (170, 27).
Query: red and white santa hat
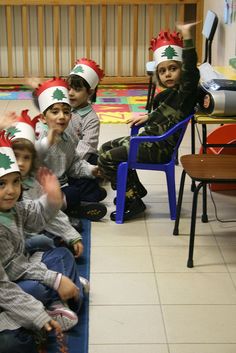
(51, 92)
(89, 70)
(167, 46)
(8, 163)
(24, 127)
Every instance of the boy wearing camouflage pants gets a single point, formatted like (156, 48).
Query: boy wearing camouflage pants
(176, 70)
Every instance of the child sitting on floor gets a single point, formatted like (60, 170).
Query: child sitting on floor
(59, 228)
(176, 70)
(57, 152)
(35, 290)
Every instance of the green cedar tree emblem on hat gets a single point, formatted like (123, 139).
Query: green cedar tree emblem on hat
(5, 161)
(58, 94)
(12, 130)
(78, 69)
(169, 52)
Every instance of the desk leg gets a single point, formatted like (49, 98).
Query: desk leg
(204, 189)
(193, 184)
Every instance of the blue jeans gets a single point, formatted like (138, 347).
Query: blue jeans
(38, 242)
(17, 341)
(60, 260)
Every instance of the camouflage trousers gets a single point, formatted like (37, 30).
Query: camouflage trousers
(113, 152)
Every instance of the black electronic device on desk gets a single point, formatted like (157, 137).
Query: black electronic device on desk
(218, 97)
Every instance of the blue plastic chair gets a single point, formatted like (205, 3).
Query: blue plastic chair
(168, 168)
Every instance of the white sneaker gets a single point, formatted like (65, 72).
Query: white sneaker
(85, 284)
(63, 315)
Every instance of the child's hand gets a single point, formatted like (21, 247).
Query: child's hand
(34, 82)
(7, 120)
(138, 120)
(185, 29)
(97, 172)
(67, 289)
(53, 136)
(52, 324)
(78, 249)
(51, 187)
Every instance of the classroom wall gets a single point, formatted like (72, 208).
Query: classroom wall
(224, 44)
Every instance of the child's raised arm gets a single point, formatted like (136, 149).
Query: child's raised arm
(7, 120)
(51, 187)
(185, 29)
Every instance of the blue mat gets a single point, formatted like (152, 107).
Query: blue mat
(77, 338)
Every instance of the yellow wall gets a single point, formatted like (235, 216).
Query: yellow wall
(224, 44)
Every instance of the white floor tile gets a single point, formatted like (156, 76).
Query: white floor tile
(200, 323)
(123, 289)
(203, 348)
(131, 348)
(196, 288)
(126, 324)
(112, 234)
(174, 259)
(121, 259)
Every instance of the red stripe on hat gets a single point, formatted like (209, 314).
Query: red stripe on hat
(55, 82)
(25, 118)
(93, 66)
(5, 140)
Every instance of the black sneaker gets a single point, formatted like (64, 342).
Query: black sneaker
(93, 211)
(140, 190)
(132, 209)
(103, 194)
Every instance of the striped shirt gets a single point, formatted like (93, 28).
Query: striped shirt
(60, 224)
(16, 307)
(61, 157)
(84, 128)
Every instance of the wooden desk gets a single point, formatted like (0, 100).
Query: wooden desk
(204, 121)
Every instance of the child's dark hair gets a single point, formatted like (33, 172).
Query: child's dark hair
(76, 82)
(20, 144)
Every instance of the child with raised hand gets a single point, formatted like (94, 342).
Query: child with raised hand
(59, 228)
(51, 278)
(57, 151)
(176, 70)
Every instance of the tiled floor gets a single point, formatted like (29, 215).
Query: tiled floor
(143, 297)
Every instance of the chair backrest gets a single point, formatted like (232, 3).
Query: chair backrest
(209, 29)
(136, 140)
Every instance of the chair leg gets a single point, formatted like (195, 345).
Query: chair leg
(120, 192)
(170, 177)
(149, 93)
(204, 204)
(193, 225)
(179, 205)
(152, 97)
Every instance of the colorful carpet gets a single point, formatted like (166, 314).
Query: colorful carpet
(114, 104)
(117, 103)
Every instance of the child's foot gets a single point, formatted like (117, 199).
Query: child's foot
(63, 315)
(132, 209)
(93, 211)
(85, 284)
